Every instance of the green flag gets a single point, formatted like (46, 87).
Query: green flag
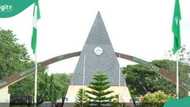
(176, 27)
(36, 17)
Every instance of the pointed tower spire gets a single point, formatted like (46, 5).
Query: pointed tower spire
(100, 57)
(98, 33)
(96, 56)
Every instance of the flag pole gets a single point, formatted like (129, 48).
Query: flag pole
(83, 83)
(177, 76)
(36, 17)
(84, 71)
(119, 74)
(119, 80)
(177, 41)
(35, 80)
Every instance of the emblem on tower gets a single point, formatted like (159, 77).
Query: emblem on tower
(98, 50)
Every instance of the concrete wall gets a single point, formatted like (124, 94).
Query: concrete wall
(122, 91)
(4, 97)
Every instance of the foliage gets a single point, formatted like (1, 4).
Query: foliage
(62, 81)
(26, 86)
(82, 100)
(14, 59)
(184, 70)
(156, 99)
(54, 87)
(23, 88)
(142, 79)
(43, 84)
(13, 56)
(99, 92)
(50, 88)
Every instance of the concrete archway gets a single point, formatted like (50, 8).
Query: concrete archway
(20, 76)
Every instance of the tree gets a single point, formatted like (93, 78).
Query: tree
(142, 79)
(52, 90)
(82, 99)
(99, 92)
(62, 81)
(25, 87)
(53, 87)
(43, 84)
(13, 56)
(184, 71)
(156, 99)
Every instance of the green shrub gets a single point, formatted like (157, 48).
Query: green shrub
(156, 99)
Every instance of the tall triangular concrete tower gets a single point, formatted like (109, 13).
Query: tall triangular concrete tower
(98, 56)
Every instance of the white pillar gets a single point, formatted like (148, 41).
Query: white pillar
(189, 91)
(35, 80)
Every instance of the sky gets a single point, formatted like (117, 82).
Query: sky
(141, 28)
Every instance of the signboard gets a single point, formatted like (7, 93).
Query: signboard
(10, 8)
(184, 102)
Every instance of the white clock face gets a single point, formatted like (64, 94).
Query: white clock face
(98, 50)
